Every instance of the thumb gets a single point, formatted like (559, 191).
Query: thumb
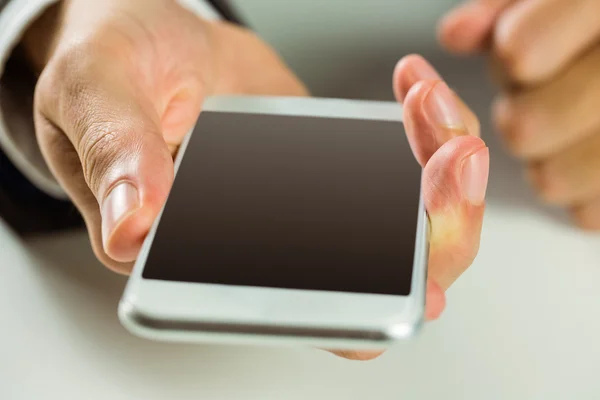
(103, 142)
(133, 180)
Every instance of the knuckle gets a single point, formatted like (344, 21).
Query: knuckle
(514, 62)
(439, 191)
(98, 152)
(72, 73)
(459, 257)
(512, 52)
(587, 217)
(448, 265)
(101, 146)
(474, 125)
(44, 96)
(454, 237)
(68, 95)
(512, 123)
(545, 183)
(466, 251)
(66, 83)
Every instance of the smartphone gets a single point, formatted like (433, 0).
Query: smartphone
(290, 221)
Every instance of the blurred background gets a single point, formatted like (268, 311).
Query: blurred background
(349, 48)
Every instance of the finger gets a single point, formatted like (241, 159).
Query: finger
(571, 176)
(434, 305)
(357, 355)
(539, 122)
(454, 187)
(468, 28)
(587, 216)
(413, 69)
(124, 162)
(435, 300)
(410, 70)
(500, 76)
(432, 117)
(536, 39)
(435, 297)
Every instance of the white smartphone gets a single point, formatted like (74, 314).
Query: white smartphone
(290, 221)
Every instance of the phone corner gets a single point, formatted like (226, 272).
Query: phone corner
(130, 317)
(408, 328)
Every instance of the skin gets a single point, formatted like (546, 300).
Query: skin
(545, 58)
(121, 83)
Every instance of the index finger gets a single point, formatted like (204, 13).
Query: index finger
(431, 107)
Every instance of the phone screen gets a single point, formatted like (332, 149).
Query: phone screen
(291, 202)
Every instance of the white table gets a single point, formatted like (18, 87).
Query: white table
(521, 324)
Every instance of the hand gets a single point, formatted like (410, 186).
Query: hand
(121, 84)
(444, 136)
(546, 57)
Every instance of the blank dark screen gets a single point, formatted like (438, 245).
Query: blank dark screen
(291, 202)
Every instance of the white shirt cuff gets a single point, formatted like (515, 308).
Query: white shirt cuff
(18, 142)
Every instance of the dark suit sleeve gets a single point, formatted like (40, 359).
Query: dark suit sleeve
(229, 13)
(26, 208)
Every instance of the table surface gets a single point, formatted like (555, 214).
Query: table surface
(522, 323)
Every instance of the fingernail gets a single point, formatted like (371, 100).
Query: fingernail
(121, 200)
(474, 177)
(441, 107)
(421, 70)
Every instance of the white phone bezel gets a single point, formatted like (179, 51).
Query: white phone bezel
(192, 312)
